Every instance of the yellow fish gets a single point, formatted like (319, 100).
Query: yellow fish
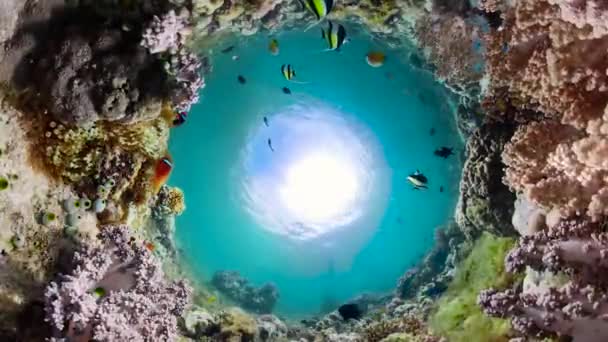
(273, 47)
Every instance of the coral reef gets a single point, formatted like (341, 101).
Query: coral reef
(542, 58)
(259, 300)
(457, 316)
(484, 203)
(117, 291)
(409, 327)
(431, 277)
(571, 306)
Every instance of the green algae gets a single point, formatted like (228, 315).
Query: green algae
(457, 315)
(3, 183)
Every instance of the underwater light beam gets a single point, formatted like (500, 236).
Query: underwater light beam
(319, 187)
(324, 175)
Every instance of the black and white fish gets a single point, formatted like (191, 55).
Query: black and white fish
(334, 36)
(418, 180)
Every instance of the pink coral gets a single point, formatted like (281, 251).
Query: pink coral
(117, 292)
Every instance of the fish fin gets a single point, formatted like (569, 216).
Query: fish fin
(314, 24)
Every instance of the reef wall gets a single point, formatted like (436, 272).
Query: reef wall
(91, 90)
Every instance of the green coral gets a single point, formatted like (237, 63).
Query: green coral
(457, 315)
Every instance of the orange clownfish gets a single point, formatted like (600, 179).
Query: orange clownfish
(375, 59)
(161, 172)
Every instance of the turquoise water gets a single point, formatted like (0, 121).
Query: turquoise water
(329, 214)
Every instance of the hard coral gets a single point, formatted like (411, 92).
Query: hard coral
(116, 292)
(413, 327)
(485, 204)
(170, 201)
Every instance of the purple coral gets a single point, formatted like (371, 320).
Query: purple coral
(167, 35)
(577, 308)
(116, 292)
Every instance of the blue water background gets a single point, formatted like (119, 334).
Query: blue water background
(399, 105)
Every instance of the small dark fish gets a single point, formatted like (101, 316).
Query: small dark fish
(180, 119)
(350, 311)
(266, 121)
(432, 132)
(441, 189)
(270, 144)
(286, 91)
(242, 79)
(444, 152)
(228, 49)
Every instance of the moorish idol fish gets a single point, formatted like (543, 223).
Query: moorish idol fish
(334, 36)
(319, 8)
(418, 180)
(288, 72)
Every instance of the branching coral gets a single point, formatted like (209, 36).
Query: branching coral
(457, 316)
(116, 292)
(576, 248)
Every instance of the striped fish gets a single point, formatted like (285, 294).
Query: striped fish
(334, 36)
(288, 72)
(319, 8)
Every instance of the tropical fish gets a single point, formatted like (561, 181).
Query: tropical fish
(319, 8)
(211, 299)
(180, 118)
(350, 311)
(228, 49)
(441, 189)
(288, 72)
(375, 59)
(270, 144)
(444, 152)
(432, 131)
(266, 121)
(149, 246)
(286, 91)
(161, 173)
(235, 58)
(241, 79)
(335, 36)
(273, 47)
(418, 180)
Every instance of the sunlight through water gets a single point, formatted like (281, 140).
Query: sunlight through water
(317, 177)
